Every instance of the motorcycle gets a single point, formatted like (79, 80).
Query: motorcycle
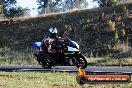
(67, 54)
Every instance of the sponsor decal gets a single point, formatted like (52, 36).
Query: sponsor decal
(83, 78)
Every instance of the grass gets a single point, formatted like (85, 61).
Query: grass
(8, 57)
(18, 59)
(122, 57)
(48, 80)
(109, 61)
(35, 79)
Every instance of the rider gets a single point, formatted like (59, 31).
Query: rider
(47, 41)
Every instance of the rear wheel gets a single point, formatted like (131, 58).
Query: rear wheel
(44, 61)
(45, 64)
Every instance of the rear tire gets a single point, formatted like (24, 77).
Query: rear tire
(44, 61)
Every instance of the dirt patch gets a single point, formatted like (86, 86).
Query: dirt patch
(64, 86)
(3, 77)
(72, 86)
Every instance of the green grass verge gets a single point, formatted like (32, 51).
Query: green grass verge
(18, 58)
(102, 61)
(48, 80)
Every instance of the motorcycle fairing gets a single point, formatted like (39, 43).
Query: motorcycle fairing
(69, 53)
(72, 49)
(37, 44)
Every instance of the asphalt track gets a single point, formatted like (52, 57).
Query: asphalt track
(92, 69)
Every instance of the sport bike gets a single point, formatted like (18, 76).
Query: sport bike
(67, 54)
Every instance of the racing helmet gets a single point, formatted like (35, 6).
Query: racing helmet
(53, 32)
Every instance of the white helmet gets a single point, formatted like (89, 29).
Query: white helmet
(52, 32)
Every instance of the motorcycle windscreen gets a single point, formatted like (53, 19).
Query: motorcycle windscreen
(37, 44)
(73, 44)
(72, 49)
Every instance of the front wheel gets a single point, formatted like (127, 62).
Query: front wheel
(80, 61)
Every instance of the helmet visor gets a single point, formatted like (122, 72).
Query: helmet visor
(52, 35)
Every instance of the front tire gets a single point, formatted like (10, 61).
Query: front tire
(80, 61)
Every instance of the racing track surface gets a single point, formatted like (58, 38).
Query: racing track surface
(68, 69)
